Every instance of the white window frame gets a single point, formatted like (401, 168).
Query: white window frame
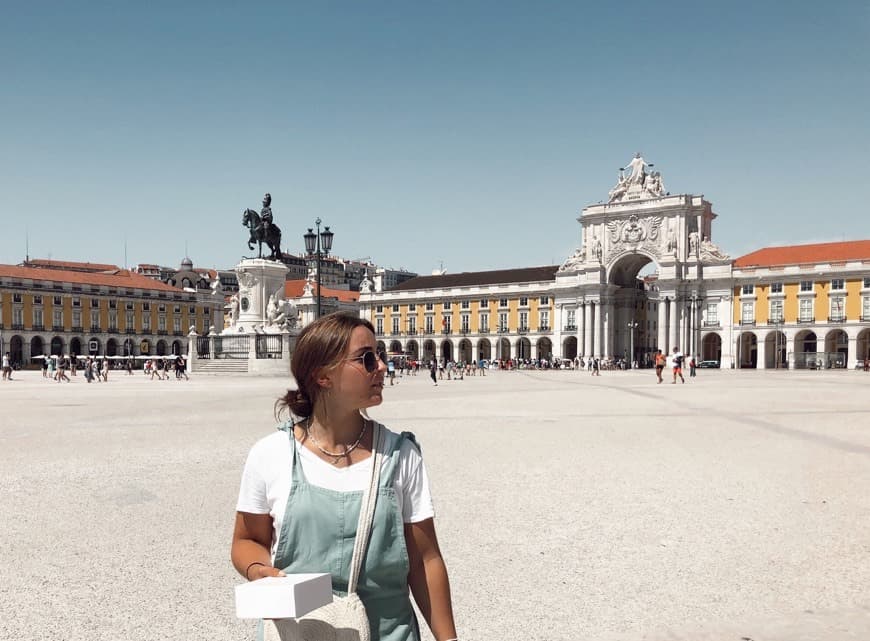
(747, 290)
(544, 319)
(379, 326)
(837, 308)
(38, 317)
(806, 312)
(747, 312)
(807, 286)
(712, 314)
(503, 322)
(776, 310)
(465, 322)
(113, 319)
(838, 285)
(776, 288)
(429, 324)
(524, 320)
(95, 318)
(57, 318)
(395, 322)
(412, 324)
(484, 321)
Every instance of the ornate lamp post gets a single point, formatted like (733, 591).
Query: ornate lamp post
(319, 244)
(631, 327)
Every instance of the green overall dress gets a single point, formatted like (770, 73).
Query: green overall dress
(318, 533)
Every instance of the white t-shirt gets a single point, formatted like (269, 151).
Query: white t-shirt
(266, 479)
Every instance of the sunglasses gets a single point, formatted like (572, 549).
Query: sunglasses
(369, 360)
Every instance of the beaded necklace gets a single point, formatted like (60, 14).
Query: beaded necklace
(347, 448)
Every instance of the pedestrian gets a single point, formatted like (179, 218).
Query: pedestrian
(297, 502)
(391, 371)
(432, 369)
(596, 367)
(660, 364)
(62, 365)
(45, 360)
(677, 362)
(692, 366)
(7, 367)
(182, 364)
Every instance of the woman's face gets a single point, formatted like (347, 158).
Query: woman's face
(351, 381)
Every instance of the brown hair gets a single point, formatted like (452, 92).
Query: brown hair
(321, 344)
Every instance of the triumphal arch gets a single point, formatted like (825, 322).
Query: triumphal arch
(646, 273)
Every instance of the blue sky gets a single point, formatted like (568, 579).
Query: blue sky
(468, 134)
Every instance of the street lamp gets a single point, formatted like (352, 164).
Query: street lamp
(319, 244)
(631, 327)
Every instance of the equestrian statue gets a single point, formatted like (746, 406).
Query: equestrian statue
(263, 230)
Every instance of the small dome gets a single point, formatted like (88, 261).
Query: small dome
(186, 264)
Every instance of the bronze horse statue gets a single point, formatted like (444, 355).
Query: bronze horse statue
(270, 236)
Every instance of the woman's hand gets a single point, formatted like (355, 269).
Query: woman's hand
(260, 571)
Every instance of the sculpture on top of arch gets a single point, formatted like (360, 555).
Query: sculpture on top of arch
(637, 184)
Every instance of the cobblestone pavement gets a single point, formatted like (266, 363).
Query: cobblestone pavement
(733, 507)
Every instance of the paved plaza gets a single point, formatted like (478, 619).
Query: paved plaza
(569, 507)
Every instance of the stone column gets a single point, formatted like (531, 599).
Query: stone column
(596, 330)
(761, 354)
(191, 350)
(675, 324)
(662, 340)
(587, 329)
(852, 356)
(608, 326)
(789, 352)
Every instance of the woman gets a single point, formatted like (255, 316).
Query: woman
(301, 489)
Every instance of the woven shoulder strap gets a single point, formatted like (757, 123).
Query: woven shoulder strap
(367, 508)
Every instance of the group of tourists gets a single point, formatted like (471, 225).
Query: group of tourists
(96, 368)
(677, 361)
(161, 367)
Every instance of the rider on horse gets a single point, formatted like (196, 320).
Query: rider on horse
(266, 215)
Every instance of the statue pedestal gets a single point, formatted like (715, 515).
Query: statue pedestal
(258, 279)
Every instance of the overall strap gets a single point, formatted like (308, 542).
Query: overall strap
(367, 508)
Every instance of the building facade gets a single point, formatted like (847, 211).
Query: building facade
(113, 313)
(645, 276)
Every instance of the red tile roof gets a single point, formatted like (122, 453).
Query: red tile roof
(115, 278)
(294, 288)
(803, 254)
(69, 265)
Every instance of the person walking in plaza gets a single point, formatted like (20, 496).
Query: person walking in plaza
(7, 367)
(677, 362)
(433, 367)
(45, 360)
(692, 366)
(660, 361)
(62, 365)
(303, 488)
(596, 367)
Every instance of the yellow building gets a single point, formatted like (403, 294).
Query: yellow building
(69, 308)
(468, 316)
(803, 306)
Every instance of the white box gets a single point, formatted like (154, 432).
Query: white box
(283, 597)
